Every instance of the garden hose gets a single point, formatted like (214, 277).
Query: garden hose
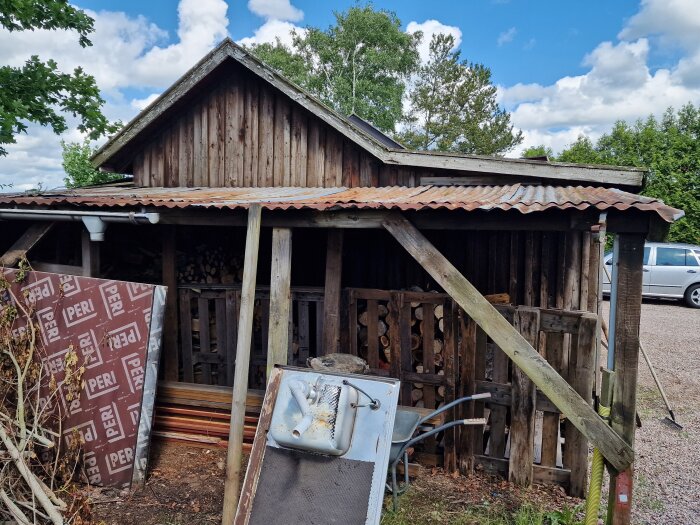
(596, 484)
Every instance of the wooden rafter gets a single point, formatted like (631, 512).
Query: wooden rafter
(615, 449)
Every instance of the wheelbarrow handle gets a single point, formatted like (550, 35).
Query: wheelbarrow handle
(484, 395)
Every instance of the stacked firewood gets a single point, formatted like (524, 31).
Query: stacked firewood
(209, 265)
(418, 331)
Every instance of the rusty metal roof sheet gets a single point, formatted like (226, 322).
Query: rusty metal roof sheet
(523, 198)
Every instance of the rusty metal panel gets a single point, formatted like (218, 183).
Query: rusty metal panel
(525, 198)
(109, 325)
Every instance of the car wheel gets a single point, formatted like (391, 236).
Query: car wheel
(692, 296)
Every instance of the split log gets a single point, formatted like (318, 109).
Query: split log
(415, 342)
(418, 313)
(416, 395)
(438, 311)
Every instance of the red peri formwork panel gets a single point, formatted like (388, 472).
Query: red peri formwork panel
(114, 327)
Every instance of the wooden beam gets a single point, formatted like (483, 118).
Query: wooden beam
(618, 453)
(280, 298)
(629, 266)
(90, 256)
(522, 426)
(170, 350)
(331, 299)
(57, 268)
(240, 382)
(26, 242)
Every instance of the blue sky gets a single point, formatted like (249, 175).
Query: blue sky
(562, 68)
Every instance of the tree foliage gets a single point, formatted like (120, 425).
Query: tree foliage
(453, 106)
(358, 65)
(669, 148)
(538, 151)
(38, 91)
(79, 169)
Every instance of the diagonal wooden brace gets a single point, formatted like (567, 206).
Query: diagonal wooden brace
(26, 242)
(615, 450)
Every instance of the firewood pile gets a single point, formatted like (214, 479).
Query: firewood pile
(419, 331)
(209, 265)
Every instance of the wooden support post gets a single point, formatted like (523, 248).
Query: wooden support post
(240, 382)
(331, 299)
(630, 251)
(170, 351)
(618, 453)
(26, 242)
(522, 426)
(280, 298)
(90, 256)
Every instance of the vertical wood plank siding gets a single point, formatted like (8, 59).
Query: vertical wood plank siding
(244, 133)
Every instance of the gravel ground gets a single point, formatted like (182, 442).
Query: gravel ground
(667, 485)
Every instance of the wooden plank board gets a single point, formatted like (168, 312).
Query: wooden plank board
(331, 299)
(581, 376)
(299, 147)
(303, 326)
(240, 383)
(611, 445)
(240, 514)
(235, 133)
(221, 339)
(280, 298)
(30, 238)
(250, 163)
(333, 170)
(449, 367)
(204, 339)
(467, 385)
(169, 357)
(550, 423)
(186, 336)
(630, 253)
(372, 334)
(266, 138)
(522, 426)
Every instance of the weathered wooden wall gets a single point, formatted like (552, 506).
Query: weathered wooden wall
(244, 133)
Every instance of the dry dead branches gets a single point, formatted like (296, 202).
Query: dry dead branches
(35, 474)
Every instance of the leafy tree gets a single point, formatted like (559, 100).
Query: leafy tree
(359, 65)
(79, 169)
(453, 106)
(669, 148)
(38, 91)
(582, 151)
(282, 58)
(538, 151)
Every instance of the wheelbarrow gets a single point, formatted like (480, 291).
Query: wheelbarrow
(404, 436)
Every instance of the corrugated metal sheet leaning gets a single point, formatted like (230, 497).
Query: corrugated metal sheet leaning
(521, 197)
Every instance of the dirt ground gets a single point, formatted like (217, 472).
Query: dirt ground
(667, 486)
(185, 485)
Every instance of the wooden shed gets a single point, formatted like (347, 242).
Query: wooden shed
(400, 257)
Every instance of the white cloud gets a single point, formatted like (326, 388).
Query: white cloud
(127, 52)
(430, 28)
(142, 103)
(506, 36)
(619, 83)
(272, 30)
(276, 9)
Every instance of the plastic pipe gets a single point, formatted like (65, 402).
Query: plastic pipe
(300, 391)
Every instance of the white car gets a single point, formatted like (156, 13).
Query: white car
(671, 270)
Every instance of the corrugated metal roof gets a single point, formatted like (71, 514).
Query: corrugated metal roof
(523, 198)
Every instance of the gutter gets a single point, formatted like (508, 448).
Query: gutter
(95, 221)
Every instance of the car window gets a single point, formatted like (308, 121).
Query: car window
(647, 252)
(690, 258)
(670, 257)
